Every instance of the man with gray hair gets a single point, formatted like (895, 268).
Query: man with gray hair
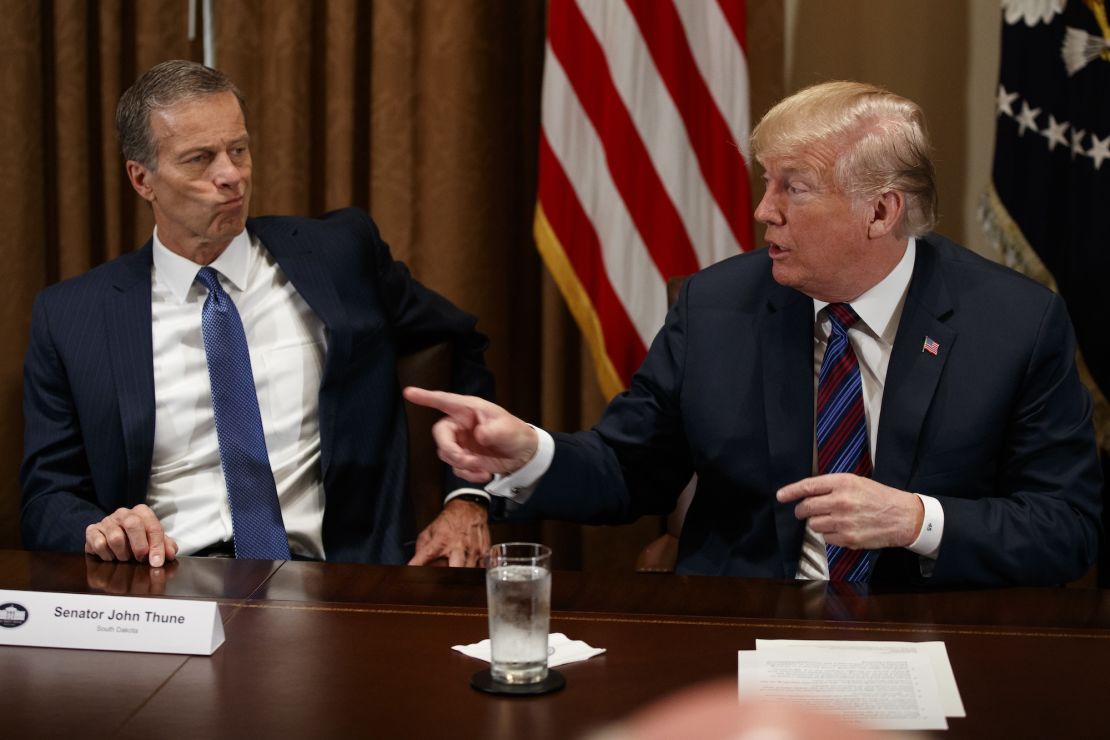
(861, 401)
(230, 388)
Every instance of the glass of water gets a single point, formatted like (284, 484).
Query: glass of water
(518, 592)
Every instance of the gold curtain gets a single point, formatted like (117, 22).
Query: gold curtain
(424, 112)
(64, 202)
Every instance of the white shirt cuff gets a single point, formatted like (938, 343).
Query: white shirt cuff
(927, 544)
(518, 485)
(460, 491)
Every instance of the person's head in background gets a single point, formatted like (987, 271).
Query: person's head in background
(849, 179)
(182, 130)
(713, 711)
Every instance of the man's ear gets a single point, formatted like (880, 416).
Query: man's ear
(140, 176)
(886, 214)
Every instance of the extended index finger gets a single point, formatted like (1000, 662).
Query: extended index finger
(452, 404)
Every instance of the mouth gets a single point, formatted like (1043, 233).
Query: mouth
(776, 250)
(231, 204)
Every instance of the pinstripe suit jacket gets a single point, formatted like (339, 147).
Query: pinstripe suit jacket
(89, 385)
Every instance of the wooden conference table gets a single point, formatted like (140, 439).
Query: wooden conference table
(328, 650)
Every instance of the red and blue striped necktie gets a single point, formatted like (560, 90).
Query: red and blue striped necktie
(842, 430)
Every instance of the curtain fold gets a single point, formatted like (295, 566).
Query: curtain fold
(65, 203)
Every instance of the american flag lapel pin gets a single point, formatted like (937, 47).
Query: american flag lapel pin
(931, 346)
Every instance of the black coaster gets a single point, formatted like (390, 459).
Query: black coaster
(483, 681)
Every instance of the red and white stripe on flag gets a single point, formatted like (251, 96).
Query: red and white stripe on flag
(642, 174)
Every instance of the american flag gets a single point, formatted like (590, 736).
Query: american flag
(1045, 208)
(642, 174)
(931, 346)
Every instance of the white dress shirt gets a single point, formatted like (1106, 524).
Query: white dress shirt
(872, 339)
(287, 344)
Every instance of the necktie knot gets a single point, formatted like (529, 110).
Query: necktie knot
(209, 278)
(842, 316)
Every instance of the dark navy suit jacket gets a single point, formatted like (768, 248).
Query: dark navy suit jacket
(89, 385)
(996, 425)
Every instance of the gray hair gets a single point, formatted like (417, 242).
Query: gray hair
(164, 85)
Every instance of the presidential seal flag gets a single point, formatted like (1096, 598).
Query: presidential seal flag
(1048, 206)
(642, 174)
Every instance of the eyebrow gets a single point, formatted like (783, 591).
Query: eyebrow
(789, 171)
(193, 150)
(208, 148)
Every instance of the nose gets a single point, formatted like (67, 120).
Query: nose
(767, 212)
(226, 173)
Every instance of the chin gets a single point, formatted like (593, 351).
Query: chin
(230, 228)
(783, 275)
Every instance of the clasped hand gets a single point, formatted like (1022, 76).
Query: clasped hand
(855, 512)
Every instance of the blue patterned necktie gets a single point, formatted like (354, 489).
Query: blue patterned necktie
(842, 431)
(255, 512)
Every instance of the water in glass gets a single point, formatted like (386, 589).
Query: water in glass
(519, 598)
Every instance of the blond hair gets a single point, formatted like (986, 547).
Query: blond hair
(878, 139)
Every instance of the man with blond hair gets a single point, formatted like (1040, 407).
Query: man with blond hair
(862, 400)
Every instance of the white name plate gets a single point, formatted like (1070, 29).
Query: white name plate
(89, 622)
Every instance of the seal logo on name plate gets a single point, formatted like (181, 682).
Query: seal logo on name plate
(12, 615)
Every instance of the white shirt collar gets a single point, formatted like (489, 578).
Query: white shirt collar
(879, 306)
(178, 273)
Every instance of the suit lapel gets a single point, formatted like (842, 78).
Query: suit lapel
(785, 336)
(294, 253)
(130, 350)
(913, 373)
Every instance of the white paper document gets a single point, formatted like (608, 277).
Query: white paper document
(882, 685)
